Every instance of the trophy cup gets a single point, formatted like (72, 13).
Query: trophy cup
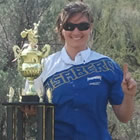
(29, 60)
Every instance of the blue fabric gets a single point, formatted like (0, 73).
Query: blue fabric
(81, 94)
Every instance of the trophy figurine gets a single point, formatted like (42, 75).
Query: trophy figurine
(29, 61)
(10, 95)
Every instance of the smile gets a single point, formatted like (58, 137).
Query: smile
(76, 38)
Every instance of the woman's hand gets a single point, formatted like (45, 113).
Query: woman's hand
(129, 85)
(29, 110)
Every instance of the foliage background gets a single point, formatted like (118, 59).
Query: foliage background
(116, 34)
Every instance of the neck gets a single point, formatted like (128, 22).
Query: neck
(72, 52)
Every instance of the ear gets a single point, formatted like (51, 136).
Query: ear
(62, 36)
(91, 33)
(91, 26)
(62, 33)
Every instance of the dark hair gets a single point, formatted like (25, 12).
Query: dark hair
(69, 11)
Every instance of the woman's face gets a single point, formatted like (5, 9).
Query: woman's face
(77, 39)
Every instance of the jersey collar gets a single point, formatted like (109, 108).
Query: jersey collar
(80, 58)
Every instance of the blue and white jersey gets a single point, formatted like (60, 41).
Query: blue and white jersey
(81, 90)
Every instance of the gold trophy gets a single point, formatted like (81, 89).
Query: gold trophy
(30, 65)
(29, 61)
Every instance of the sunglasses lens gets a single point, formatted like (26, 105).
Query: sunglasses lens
(69, 27)
(83, 26)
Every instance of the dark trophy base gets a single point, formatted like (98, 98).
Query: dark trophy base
(30, 98)
(16, 120)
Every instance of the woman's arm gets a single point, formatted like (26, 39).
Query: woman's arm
(125, 110)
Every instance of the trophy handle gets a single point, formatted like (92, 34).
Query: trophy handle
(17, 51)
(45, 50)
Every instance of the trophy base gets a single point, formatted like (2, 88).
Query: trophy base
(30, 98)
(17, 120)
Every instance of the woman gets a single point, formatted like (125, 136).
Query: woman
(83, 81)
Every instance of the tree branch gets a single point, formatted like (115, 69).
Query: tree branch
(4, 30)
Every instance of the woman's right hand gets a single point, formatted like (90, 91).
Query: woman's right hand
(29, 110)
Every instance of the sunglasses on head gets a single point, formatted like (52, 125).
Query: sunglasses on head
(81, 26)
